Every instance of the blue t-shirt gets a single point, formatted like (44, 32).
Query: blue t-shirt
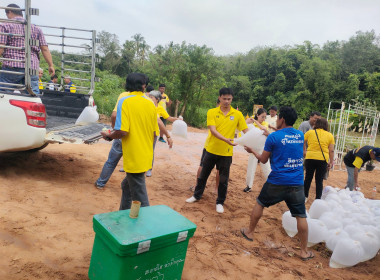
(286, 160)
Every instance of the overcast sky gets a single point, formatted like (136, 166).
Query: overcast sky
(226, 26)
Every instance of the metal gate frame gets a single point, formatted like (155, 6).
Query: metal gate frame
(338, 120)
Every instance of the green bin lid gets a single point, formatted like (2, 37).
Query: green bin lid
(156, 227)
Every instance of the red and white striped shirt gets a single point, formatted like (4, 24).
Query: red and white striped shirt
(14, 41)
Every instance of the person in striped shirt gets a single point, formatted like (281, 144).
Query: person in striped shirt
(16, 62)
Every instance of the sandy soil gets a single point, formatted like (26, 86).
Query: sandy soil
(48, 199)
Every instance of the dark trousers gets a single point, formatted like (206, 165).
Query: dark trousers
(133, 188)
(319, 168)
(223, 164)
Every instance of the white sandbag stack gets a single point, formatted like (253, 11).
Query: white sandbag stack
(347, 222)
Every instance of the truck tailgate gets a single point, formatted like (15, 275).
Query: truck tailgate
(70, 133)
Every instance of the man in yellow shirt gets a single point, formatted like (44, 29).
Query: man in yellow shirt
(355, 160)
(136, 124)
(222, 123)
(164, 101)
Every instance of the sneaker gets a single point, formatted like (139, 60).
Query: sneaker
(161, 140)
(247, 189)
(99, 187)
(191, 199)
(219, 208)
(149, 173)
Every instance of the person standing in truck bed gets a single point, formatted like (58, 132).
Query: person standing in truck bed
(14, 41)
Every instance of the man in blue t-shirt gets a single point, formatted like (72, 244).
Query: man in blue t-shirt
(284, 147)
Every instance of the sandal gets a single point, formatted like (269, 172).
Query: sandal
(245, 236)
(309, 256)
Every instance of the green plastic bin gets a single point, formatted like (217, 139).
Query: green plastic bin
(153, 246)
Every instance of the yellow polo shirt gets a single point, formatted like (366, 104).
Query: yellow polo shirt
(264, 123)
(161, 112)
(137, 115)
(225, 125)
(121, 95)
(163, 101)
(313, 148)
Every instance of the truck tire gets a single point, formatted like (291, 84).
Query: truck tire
(37, 149)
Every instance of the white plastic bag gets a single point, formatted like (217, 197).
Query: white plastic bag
(327, 191)
(179, 128)
(88, 115)
(254, 139)
(317, 232)
(333, 236)
(331, 220)
(289, 223)
(318, 207)
(370, 244)
(347, 252)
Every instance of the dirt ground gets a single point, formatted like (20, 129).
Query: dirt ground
(48, 200)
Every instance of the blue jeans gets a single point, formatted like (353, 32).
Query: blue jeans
(114, 157)
(18, 79)
(133, 188)
(350, 178)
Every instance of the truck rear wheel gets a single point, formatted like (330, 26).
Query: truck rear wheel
(37, 149)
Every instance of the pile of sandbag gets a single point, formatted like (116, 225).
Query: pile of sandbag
(346, 221)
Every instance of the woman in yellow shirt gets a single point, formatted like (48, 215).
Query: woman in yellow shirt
(315, 161)
(259, 122)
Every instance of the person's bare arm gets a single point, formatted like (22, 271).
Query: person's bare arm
(245, 130)
(272, 127)
(113, 119)
(220, 136)
(261, 157)
(115, 134)
(172, 119)
(47, 55)
(266, 132)
(331, 156)
(165, 132)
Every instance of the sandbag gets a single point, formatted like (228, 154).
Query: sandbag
(333, 236)
(328, 190)
(289, 223)
(317, 232)
(347, 252)
(88, 115)
(331, 220)
(318, 207)
(179, 128)
(370, 244)
(254, 139)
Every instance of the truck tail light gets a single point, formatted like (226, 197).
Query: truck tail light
(35, 112)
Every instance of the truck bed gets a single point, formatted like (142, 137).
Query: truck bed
(62, 110)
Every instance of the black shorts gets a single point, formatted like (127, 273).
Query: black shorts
(294, 197)
(202, 158)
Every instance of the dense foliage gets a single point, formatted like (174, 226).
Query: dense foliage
(305, 76)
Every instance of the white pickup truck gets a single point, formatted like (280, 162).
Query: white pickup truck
(29, 122)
